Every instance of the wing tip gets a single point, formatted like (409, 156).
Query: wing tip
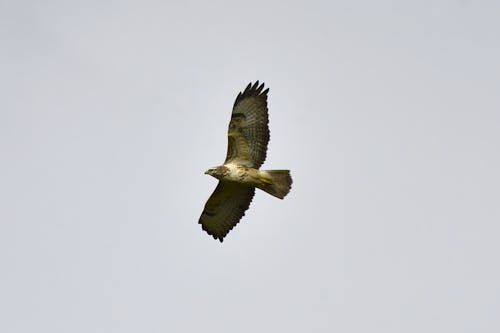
(215, 235)
(252, 89)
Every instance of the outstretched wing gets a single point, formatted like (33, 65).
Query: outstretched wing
(248, 132)
(225, 207)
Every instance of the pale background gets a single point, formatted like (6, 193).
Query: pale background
(387, 113)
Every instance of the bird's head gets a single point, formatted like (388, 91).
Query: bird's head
(217, 172)
(210, 171)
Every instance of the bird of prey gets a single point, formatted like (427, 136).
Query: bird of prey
(248, 136)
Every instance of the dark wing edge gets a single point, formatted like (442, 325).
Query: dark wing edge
(251, 90)
(248, 134)
(225, 208)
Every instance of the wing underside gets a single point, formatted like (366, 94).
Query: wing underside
(225, 207)
(248, 133)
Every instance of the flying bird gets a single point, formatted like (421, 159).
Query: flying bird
(248, 136)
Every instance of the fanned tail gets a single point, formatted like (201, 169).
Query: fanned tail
(280, 183)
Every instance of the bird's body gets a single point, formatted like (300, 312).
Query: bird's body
(274, 182)
(232, 172)
(248, 136)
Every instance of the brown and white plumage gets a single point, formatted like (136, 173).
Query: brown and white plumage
(225, 207)
(248, 133)
(248, 136)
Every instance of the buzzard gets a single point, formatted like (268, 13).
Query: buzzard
(248, 136)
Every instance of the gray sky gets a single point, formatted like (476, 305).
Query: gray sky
(387, 113)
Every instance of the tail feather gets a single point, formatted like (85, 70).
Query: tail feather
(280, 183)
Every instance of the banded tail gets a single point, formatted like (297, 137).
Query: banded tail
(279, 184)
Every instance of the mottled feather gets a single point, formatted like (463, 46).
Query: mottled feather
(225, 207)
(248, 133)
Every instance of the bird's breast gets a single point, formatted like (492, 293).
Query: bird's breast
(242, 174)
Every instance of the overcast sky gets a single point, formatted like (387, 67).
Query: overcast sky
(386, 112)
